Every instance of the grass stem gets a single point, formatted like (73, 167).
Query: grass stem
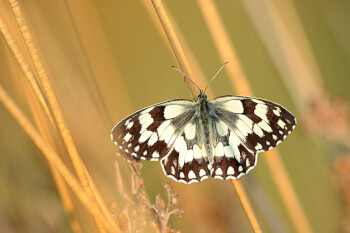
(239, 81)
(175, 44)
(246, 205)
(48, 92)
(54, 159)
(180, 55)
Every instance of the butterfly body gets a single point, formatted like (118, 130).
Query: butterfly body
(197, 139)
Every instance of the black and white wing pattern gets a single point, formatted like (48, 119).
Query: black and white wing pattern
(195, 140)
(150, 132)
(246, 126)
(187, 162)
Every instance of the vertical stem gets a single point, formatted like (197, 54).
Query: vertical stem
(239, 80)
(287, 191)
(175, 44)
(48, 93)
(225, 47)
(54, 159)
(246, 205)
(180, 55)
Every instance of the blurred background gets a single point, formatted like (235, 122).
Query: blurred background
(106, 59)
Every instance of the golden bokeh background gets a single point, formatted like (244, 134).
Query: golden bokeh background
(106, 59)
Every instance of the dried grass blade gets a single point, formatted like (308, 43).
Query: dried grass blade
(199, 76)
(66, 199)
(183, 61)
(224, 46)
(56, 110)
(287, 192)
(25, 67)
(45, 131)
(175, 44)
(283, 36)
(238, 79)
(242, 86)
(246, 205)
(54, 159)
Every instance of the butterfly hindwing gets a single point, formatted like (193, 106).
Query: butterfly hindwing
(187, 172)
(232, 157)
(150, 132)
(186, 162)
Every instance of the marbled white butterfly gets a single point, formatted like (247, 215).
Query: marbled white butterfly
(201, 138)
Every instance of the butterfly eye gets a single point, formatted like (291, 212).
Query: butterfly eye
(202, 95)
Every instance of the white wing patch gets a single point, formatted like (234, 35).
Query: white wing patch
(222, 128)
(261, 111)
(235, 106)
(219, 150)
(172, 111)
(190, 131)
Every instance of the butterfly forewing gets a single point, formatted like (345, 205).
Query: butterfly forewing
(150, 132)
(262, 124)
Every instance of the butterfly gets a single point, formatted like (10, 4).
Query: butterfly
(197, 139)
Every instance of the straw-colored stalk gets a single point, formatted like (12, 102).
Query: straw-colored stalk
(227, 51)
(54, 159)
(175, 44)
(46, 131)
(303, 78)
(181, 58)
(199, 77)
(45, 92)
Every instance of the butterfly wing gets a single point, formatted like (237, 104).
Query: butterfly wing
(186, 161)
(245, 126)
(150, 132)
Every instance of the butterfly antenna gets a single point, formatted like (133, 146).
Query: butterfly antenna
(215, 75)
(185, 80)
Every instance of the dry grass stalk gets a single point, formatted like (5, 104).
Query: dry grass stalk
(330, 121)
(136, 208)
(66, 200)
(242, 86)
(281, 31)
(54, 159)
(246, 205)
(46, 93)
(46, 132)
(24, 66)
(342, 168)
(164, 19)
(299, 69)
(225, 48)
(175, 44)
(39, 94)
(285, 187)
(199, 77)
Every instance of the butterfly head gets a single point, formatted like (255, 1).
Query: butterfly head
(202, 96)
